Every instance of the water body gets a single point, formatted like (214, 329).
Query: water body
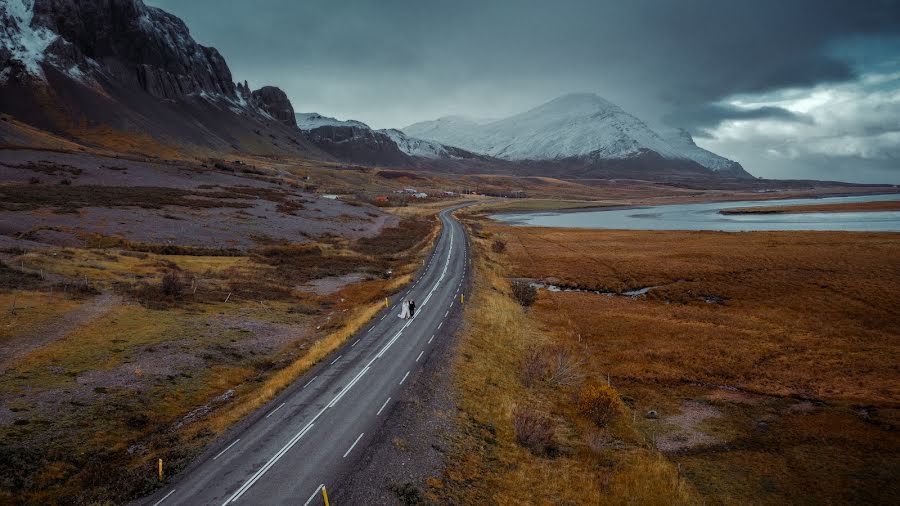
(705, 216)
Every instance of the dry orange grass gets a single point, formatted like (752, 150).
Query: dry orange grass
(745, 326)
(488, 466)
(812, 314)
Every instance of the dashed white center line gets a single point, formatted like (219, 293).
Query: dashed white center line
(451, 303)
(445, 314)
(441, 324)
(314, 494)
(354, 343)
(354, 444)
(335, 360)
(270, 414)
(383, 406)
(310, 381)
(420, 355)
(157, 503)
(229, 446)
(293, 441)
(430, 338)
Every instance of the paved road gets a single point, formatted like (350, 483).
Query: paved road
(313, 432)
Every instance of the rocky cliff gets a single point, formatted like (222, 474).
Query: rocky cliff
(275, 102)
(79, 66)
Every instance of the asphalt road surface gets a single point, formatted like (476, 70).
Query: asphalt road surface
(311, 435)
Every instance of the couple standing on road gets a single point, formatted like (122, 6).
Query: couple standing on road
(407, 309)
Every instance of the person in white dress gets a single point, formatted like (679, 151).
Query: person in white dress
(404, 310)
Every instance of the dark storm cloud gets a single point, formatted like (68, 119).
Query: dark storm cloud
(654, 57)
(699, 119)
(393, 62)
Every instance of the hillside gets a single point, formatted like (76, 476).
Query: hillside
(577, 130)
(122, 75)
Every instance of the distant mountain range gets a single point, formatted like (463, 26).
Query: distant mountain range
(578, 129)
(129, 77)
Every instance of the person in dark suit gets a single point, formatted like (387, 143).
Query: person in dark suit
(412, 308)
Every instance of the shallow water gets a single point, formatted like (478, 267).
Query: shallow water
(705, 216)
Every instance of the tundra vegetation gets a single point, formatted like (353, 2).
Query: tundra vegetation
(117, 353)
(758, 368)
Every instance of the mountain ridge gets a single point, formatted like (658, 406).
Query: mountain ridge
(576, 127)
(123, 75)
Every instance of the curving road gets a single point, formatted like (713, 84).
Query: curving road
(312, 433)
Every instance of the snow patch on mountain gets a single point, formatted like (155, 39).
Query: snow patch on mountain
(578, 125)
(313, 120)
(23, 41)
(417, 147)
(681, 139)
(575, 125)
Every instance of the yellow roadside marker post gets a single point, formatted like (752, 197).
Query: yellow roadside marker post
(160, 470)
(386, 305)
(325, 495)
(462, 298)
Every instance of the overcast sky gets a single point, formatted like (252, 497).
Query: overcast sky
(791, 89)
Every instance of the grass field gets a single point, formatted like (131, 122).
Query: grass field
(114, 358)
(769, 359)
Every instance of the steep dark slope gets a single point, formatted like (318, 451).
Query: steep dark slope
(125, 75)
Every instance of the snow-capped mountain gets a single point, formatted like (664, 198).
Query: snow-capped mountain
(681, 140)
(354, 141)
(419, 147)
(580, 127)
(71, 66)
(313, 120)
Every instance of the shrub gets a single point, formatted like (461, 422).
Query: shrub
(407, 493)
(499, 246)
(524, 293)
(535, 431)
(600, 403)
(33, 180)
(564, 367)
(171, 285)
(534, 366)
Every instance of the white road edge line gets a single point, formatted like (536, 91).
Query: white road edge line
(383, 406)
(441, 324)
(430, 338)
(314, 494)
(249, 483)
(157, 503)
(447, 313)
(273, 412)
(355, 343)
(354, 444)
(335, 360)
(310, 381)
(420, 355)
(229, 446)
